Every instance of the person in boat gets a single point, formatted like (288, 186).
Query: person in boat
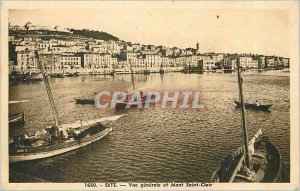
(257, 103)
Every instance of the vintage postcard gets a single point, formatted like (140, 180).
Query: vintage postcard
(149, 95)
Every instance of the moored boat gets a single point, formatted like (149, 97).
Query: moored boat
(18, 118)
(55, 140)
(265, 163)
(121, 71)
(253, 106)
(57, 75)
(258, 160)
(84, 101)
(33, 77)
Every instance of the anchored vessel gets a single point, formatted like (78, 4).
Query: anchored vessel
(84, 101)
(253, 106)
(258, 160)
(58, 138)
(18, 118)
(33, 77)
(55, 140)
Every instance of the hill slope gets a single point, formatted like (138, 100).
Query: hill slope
(94, 34)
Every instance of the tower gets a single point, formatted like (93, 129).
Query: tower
(197, 47)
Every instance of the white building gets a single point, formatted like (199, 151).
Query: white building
(253, 64)
(209, 64)
(218, 57)
(70, 63)
(245, 61)
(152, 61)
(99, 62)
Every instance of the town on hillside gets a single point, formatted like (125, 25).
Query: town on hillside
(62, 50)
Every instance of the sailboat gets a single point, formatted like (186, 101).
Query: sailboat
(258, 160)
(57, 138)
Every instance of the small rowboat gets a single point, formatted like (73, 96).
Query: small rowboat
(84, 101)
(253, 106)
(18, 118)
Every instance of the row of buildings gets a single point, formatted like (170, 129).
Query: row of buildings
(72, 53)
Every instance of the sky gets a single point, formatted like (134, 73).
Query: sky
(261, 31)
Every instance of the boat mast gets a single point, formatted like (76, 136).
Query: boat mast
(132, 79)
(245, 133)
(48, 89)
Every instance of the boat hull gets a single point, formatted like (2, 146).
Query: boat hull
(53, 151)
(18, 118)
(228, 171)
(253, 106)
(85, 101)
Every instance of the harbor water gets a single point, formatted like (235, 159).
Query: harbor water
(155, 144)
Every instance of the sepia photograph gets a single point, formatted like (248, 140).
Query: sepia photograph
(150, 95)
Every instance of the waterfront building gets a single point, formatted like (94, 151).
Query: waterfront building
(180, 62)
(26, 60)
(261, 62)
(122, 64)
(253, 64)
(99, 62)
(165, 62)
(218, 57)
(209, 64)
(191, 61)
(245, 61)
(172, 61)
(70, 63)
(137, 64)
(152, 61)
(270, 62)
(279, 62)
(51, 62)
(233, 64)
(286, 62)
